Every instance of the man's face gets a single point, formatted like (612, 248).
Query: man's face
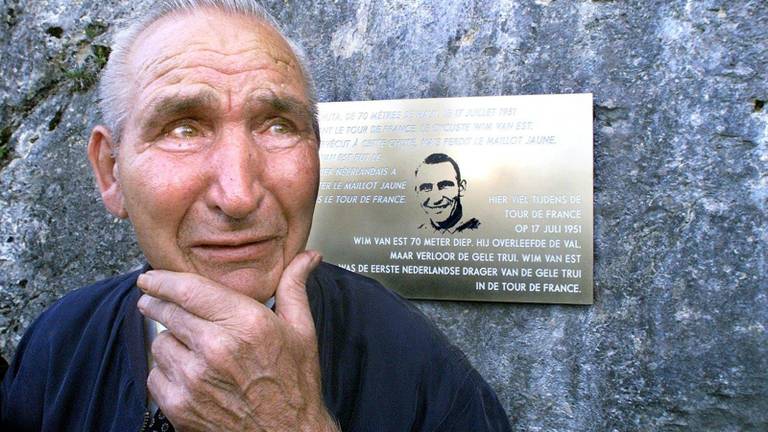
(218, 164)
(438, 190)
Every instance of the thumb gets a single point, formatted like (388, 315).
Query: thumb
(291, 302)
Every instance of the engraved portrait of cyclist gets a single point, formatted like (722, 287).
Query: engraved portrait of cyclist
(439, 189)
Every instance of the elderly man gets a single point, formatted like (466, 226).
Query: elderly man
(210, 150)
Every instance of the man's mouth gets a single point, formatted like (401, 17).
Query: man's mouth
(438, 205)
(235, 250)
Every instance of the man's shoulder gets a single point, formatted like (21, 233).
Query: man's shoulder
(81, 304)
(56, 364)
(364, 299)
(86, 310)
(379, 350)
(373, 315)
(471, 224)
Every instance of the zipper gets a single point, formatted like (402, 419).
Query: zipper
(145, 422)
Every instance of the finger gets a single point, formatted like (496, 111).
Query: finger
(170, 355)
(195, 294)
(291, 302)
(159, 386)
(185, 326)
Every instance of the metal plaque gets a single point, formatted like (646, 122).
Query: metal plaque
(479, 198)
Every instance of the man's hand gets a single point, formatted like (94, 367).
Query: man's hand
(227, 362)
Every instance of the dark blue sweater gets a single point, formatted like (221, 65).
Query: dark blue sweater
(82, 365)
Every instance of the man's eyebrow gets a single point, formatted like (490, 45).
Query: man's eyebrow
(282, 104)
(444, 183)
(171, 106)
(287, 105)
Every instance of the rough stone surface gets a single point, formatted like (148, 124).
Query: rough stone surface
(676, 339)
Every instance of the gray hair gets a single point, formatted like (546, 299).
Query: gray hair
(115, 83)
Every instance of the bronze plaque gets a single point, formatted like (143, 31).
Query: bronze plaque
(479, 198)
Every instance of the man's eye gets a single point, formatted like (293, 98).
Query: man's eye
(184, 131)
(280, 128)
(183, 136)
(276, 133)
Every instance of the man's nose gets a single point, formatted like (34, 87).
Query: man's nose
(237, 167)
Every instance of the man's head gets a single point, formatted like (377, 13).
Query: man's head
(115, 91)
(210, 147)
(440, 187)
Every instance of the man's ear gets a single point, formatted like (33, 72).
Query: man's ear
(102, 152)
(462, 186)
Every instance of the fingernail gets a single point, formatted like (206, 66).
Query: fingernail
(316, 260)
(314, 256)
(142, 303)
(143, 280)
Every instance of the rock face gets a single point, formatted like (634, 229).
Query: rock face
(676, 339)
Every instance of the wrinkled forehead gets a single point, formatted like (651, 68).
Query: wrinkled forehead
(230, 42)
(435, 172)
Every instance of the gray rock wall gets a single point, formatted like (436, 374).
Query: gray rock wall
(676, 339)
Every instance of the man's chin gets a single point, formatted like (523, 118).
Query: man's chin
(252, 282)
(435, 214)
(439, 218)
